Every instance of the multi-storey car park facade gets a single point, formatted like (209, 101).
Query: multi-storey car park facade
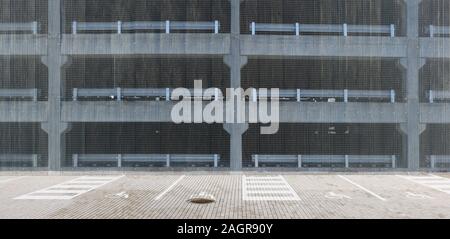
(86, 84)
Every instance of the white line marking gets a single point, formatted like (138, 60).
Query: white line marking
(169, 188)
(267, 188)
(12, 179)
(442, 186)
(362, 188)
(65, 188)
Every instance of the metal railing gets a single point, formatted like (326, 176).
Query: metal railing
(434, 95)
(324, 159)
(32, 27)
(133, 93)
(438, 159)
(167, 159)
(20, 158)
(284, 94)
(19, 93)
(343, 29)
(438, 30)
(119, 27)
(346, 95)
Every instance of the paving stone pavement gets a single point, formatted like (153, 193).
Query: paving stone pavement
(165, 195)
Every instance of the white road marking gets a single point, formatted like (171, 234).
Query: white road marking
(432, 181)
(67, 190)
(267, 188)
(169, 188)
(412, 195)
(12, 179)
(119, 195)
(333, 195)
(362, 188)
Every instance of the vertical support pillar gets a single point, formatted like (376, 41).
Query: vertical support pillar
(55, 62)
(235, 62)
(412, 65)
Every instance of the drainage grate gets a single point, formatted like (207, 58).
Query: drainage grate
(267, 188)
(69, 190)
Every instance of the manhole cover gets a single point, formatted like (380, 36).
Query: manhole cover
(202, 198)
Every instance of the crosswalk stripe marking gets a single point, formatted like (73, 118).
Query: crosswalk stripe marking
(273, 188)
(51, 193)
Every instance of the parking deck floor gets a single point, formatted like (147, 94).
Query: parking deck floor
(247, 195)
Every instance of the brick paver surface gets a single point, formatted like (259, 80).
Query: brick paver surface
(165, 195)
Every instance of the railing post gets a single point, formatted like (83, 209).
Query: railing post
(394, 163)
(392, 30)
(119, 160)
(119, 94)
(392, 96)
(346, 161)
(299, 161)
(75, 160)
(346, 96)
(433, 161)
(216, 94)
(345, 29)
(253, 28)
(168, 160)
(35, 160)
(216, 160)
(34, 28)
(119, 27)
(431, 96)
(35, 95)
(431, 31)
(297, 29)
(167, 94)
(216, 27)
(167, 27)
(256, 161)
(299, 96)
(74, 27)
(254, 95)
(75, 94)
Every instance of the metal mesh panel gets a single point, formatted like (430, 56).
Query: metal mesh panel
(147, 138)
(23, 54)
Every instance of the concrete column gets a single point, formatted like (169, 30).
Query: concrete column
(55, 63)
(412, 65)
(235, 62)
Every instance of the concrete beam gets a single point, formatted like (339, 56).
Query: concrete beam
(22, 111)
(22, 44)
(290, 112)
(322, 46)
(198, 44)
(117, 111)
(434, 47)
(293, 112)
(438, 113)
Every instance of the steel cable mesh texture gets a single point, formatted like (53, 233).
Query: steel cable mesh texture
(24, 72)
